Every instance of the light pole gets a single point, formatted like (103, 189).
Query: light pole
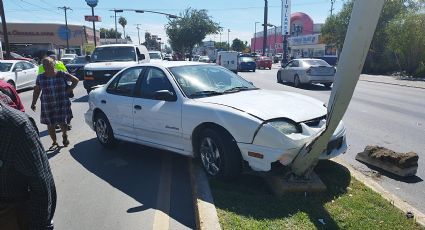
(255, 35)
(228, 41)
(115, 16)
(138, 31)
(93, 4)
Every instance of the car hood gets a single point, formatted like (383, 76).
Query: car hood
(75, 65)
(267, 104)
(109, 65)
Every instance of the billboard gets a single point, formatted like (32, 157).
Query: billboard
(286, 17)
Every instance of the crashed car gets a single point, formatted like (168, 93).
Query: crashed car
(206, 111)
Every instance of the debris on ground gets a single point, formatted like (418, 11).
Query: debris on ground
(410, 215)
(401, 164)
(322, 221)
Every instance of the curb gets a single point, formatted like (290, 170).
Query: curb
(376, 187)
(389, 83)
(203, 202)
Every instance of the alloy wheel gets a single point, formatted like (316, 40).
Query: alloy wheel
(210, 156)
(102, 131)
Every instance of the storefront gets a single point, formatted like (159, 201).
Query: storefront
(30, 39)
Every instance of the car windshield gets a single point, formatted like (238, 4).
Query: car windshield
(68, 56)
(247, 59)
(154, 56)
(5, 67)
(316, 62)
(78, 60)
(208, 80)
(115, 53)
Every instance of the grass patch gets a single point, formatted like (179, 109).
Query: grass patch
(348, 204)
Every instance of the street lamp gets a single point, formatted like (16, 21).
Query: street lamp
(228, 41)
(93, 4)
(255, 35)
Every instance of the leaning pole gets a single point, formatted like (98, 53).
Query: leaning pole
(363, 21)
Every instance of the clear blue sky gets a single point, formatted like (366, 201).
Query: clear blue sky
(237, 15)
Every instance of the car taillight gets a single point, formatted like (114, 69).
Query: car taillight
(308, 71)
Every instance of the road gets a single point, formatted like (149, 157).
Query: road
(130, 187)
(379, 114)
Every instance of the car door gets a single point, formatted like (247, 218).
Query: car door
(30, 73)
(18, 70)
(118, 102)
(157, 122)
(287, 71)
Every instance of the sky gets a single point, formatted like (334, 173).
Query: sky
(238, 15)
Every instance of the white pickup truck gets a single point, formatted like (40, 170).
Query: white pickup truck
(107, 60)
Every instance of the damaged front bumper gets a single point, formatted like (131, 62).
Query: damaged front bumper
(270, 145)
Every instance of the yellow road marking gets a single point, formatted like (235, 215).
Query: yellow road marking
(161, 219)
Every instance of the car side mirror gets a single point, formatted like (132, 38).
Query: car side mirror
(18, 70)
(141, 57)
(88, 58)
(164, 95)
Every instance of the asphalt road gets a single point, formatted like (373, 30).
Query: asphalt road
(130, 187)
(379, 114)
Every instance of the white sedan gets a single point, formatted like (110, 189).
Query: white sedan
(204, 110)
(20, 74)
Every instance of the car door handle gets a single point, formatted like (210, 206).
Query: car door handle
(103, 101)
(138, 107)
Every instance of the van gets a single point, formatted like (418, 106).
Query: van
(107, 60)
(229, 60)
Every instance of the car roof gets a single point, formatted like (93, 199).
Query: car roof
(10, 61)
(154, 51)
(168, 64)
(115, 45)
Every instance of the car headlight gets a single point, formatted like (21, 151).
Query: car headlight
(286, 126)
(89, 73)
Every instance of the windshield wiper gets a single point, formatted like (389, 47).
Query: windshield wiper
(205, 93)
(237, 89)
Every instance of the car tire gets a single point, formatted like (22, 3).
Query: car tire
(327, 85)
(12, 83)
(253, 70)
(297, 82)
(219, 154)
(104, 132)
(279, 77)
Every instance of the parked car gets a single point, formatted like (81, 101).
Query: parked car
(15, 56)
(264, 62)
(155, 56)
(228, 59)
(107, 60)
(247, 64)
(66, 58)
(277, 58)
(205, 59)
(20, 74)
(76, 66)
(195, 58)
(206, 111)
(168, 57)
(307, 71)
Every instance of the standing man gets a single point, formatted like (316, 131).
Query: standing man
(27, 191)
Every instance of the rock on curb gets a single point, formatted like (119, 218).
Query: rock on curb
(205, 212)
(376, 187)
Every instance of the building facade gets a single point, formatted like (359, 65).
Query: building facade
(33, 38)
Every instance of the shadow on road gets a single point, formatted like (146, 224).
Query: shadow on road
(410, 179)
(250, 197)
(84, 98)
(135, 170)
(315, 87)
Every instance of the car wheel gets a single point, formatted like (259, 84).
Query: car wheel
(253, 70)
(12, 83)
(104, 132)
(327, 85)
(219, 155)
(297, 82)
(279, 77)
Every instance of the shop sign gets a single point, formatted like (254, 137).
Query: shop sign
(28, 33)
(286, 19)
(304, 40)
(91, 18)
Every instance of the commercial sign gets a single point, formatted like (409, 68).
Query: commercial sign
(304, 40)
(92, 3)
(91, 18)
(286, 17)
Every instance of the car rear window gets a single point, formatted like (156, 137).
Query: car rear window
(247, 59)
(316, 62)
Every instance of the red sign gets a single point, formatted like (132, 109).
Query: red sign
(90, 18)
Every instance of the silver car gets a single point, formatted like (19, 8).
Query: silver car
(307, 71)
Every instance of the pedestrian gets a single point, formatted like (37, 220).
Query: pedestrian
(55, 103)
(27, 191)
(9, 96)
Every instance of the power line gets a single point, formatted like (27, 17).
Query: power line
(46, 9)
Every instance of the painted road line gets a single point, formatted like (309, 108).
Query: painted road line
(161, 218)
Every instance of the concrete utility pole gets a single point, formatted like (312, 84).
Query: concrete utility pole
(5, 34)
(65, 8)
(265, 27)
(116, 31)
(138, 31)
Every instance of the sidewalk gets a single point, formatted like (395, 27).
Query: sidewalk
(392, 80)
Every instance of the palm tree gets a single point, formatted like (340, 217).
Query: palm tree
(123, 22)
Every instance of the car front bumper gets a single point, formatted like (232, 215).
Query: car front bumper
(284, 150)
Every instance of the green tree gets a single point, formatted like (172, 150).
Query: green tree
(221, 45)
(190, 29)
(406, 38)
(238, 45)
(108, 33)
(151, 42)
(123, 22)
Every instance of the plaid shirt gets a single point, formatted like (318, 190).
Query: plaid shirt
(25, 174)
